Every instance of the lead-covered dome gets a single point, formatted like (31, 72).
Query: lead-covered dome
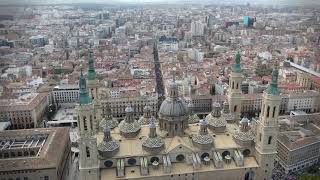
(173, 113)
(173, 106)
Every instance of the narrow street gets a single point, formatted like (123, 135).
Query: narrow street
(157, 67)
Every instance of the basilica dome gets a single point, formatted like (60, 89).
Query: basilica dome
(173, 112)
(173, 106)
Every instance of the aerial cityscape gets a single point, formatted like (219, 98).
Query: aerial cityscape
(159, 90)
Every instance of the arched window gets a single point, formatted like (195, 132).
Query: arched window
(205, 155)
(85, 127)
(155, 158)
(26, 153)
(270, 139)
(235, 109)
(249, 175)
(237, 86)
(274, 111)
(87, 151)
(132, 161)
(32, 153)
(92, 93)
(180, 157)
(246, 152)
(232, 85)
(225, 153)
(268, 111)
(91, 126)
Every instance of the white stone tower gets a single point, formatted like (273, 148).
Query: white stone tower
(89, 164)
(267, 129)
(235, 92)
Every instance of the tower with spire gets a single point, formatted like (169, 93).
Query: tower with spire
(267, 128)
(93, 82)
(87, 126)
(235, 92)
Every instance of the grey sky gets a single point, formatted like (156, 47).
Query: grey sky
(275, 2)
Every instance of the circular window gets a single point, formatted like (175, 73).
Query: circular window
(132, 161)
(204, 155)
(246, 152)
(225, 153)
(108, 163)
(180, 157)
(154, 159)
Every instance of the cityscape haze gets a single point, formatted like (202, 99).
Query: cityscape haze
(159, 90)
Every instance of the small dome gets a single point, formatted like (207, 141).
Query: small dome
(193, 119)
(108, 122)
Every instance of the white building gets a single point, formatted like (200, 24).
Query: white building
(197, 28)
(196, 54)
(66, 94)
(307, 101)
(35, 82)
(168, 44)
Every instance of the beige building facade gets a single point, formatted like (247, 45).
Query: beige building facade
(26, 111)
(35, 154)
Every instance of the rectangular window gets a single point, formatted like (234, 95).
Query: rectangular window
(88, 151)
(260, 137)
(85, 127)
(91, 126)
(274, 111)
(46, 178)
(270, 139)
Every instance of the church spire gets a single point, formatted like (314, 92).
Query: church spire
(273, 86)
(237, 67)
(84, 95)
(91, 70)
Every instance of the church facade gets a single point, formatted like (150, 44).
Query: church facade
(176, 144)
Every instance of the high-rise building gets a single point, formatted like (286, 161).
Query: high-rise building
(197, 28)
(248, 21)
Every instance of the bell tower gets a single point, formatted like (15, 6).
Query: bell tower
(93, 83)
(267, 129)
(234, 91)
(89, 164)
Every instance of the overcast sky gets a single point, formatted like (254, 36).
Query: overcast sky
(275, 2)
